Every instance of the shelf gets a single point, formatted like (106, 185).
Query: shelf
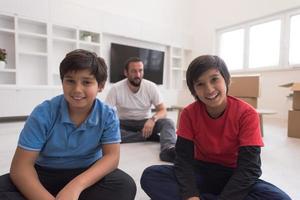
(64, 32)
(35, 68)
(59, 49)
(177, 57)
(7, 41)
(30, 26)
(28, 43)
(176, 79)
(176, 64)
(88, 43)
(187, 58)
(176, 68)
(89, 47)
(5, 30)
(32, 53)
(56, 79)
(90, 37)
(7, 22)
(62, 39)
(176, 52)
(7, 77)
(32, 35)
(8, 70)
(179, 60)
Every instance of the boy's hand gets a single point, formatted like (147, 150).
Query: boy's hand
(148, 128)
(70, 192)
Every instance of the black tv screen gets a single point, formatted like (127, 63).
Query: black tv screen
(153, 62)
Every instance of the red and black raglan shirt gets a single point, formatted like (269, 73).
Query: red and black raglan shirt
(233, 140)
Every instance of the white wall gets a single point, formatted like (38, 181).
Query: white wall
(215, 14)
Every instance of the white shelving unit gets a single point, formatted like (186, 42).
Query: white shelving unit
(31, 52)
(179, 61)
(7, 41)
(35, 50)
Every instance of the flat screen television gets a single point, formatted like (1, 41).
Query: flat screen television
(153, 62)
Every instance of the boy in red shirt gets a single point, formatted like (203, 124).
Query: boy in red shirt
(218, 145)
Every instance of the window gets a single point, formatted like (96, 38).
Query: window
(232, 49)
(264, 44)
(267, 43)
(294, 43)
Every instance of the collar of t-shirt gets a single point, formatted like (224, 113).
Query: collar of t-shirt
(92, 119)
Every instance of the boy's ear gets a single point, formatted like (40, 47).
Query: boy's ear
(101, 87)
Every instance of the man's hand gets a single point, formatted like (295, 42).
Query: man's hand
(148, 128)
(193, 198)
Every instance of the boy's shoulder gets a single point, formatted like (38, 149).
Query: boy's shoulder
(239, 106)
(52, 104)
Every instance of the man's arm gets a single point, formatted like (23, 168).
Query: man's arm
(105, 165)
(25, 177)
(160, 112)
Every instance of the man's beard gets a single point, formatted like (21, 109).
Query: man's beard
(134, 82)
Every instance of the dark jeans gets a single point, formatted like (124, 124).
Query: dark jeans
(168, 188)
(116, 185)
(163, 131)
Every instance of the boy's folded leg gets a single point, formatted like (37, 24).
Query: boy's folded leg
(8, 191)
(116, 185)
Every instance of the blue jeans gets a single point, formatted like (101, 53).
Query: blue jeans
(163, 131)
(168, 188)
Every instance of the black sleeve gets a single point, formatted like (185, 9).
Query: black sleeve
(184, 168)
(245, 175)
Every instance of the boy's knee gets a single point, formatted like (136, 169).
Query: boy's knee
(128, 187)
(6, 184)
(150, 174)
(266, 190)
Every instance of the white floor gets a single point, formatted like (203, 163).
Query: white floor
(280, 156)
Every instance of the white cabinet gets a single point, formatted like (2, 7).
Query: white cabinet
(179, 60)
(36, 48)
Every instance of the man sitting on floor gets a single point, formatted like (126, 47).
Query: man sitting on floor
(133, 98)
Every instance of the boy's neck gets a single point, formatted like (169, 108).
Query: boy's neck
(78, 116)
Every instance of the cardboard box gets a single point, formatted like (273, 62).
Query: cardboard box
(293, 123)
(295, 87)
(251, 100)
(244, 86)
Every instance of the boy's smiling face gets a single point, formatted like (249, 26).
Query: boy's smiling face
(210, 88)
(80, 90)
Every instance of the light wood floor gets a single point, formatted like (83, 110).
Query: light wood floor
(280, 156)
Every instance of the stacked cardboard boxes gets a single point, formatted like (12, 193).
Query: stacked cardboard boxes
(294, 114)
(245, 87)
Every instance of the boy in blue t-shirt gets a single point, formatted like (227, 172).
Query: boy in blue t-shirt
(69, 147)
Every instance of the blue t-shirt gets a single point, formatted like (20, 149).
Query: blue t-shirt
(61, 144)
